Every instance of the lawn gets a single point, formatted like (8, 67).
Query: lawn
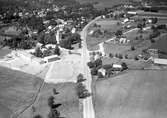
(136, 94)
(17, 90)
(139, 44)
(109, 25)
(131, 63)
(115, 48)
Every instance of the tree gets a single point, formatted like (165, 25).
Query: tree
(118, 33)
(91, 64)
(37, 116)
(154, 20)
(111, 55)
(94, 71)
(57, 50)
(80, 78)
(53, 114)
(136, 58)
(50, 101)
(120, 56)
(65, 43)
(124, 66)
(98, 63)
(132, 48)
(126, 56)
(82, 92)
(55, 91)
(38, 52)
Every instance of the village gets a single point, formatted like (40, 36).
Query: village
(79, 47)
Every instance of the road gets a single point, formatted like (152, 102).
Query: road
(88, 110)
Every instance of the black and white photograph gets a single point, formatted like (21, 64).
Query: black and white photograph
(83, 58)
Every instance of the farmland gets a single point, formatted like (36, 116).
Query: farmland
(18, 91)
(133, 94)
(104, 3)
(67, 97)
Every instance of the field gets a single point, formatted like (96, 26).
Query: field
(104, 3)
(140, 44)
(4, 52)
(109, 25)
(17, 90)
(136, 94)
(67, 97)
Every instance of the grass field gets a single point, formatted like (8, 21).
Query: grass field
(4, 52)
(104, 3)
(136, 94)
(67, 97)
(16, 90)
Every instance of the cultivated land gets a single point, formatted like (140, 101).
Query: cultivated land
(104, 3)
(136, 94)
(67, 97)
(17, 90)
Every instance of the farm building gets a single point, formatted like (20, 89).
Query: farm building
(51, 58)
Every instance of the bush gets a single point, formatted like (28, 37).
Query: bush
(124, 66)
(50, 101)
(111, 55)
(55, 91)
(94, 71)
(107, 67)
(37, 116)
(120, 56)
(91, 64)
(136, 58)
(82, 92)
(100, 75)
(132, 48)
(126, 56)
(80, 78)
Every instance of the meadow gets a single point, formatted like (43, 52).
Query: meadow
(135, 94)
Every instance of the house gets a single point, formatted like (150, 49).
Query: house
(51, 58)
(117, 67)
(125, 21)
(123, 40)
(102, 71)
(160, 61)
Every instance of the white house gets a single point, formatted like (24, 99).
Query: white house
(91, 32)
(125, 20)
(160, 61)
(117, 66)
(132, 12)
(123, 40)
(102, 71)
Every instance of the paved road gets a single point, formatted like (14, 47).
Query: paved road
(88, 110)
